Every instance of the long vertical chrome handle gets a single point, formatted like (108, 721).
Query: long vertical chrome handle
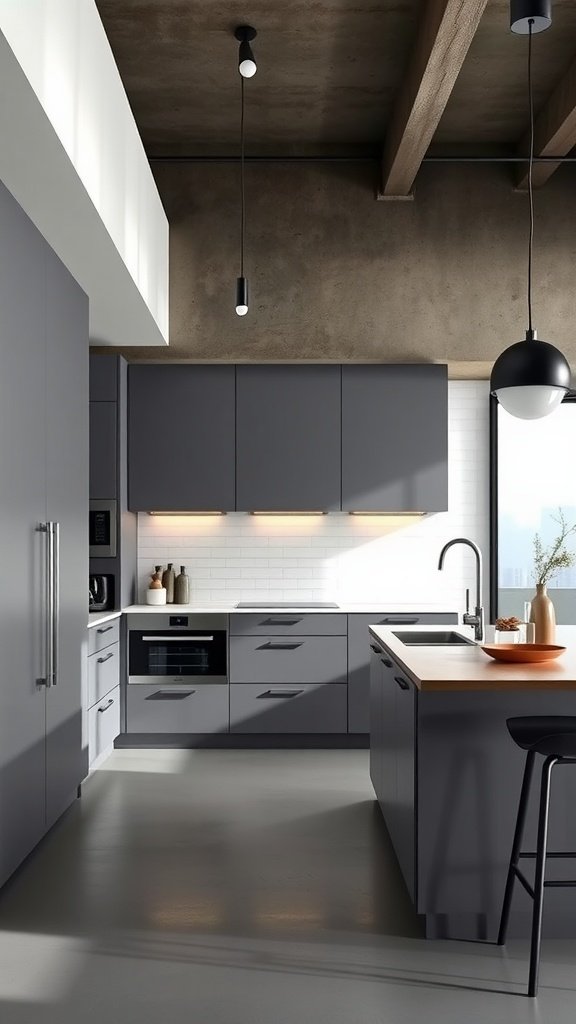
(46, 680)
(55, 602)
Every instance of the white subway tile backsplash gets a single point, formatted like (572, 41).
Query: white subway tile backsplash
(340, 557)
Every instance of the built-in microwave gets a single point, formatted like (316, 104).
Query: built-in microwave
(177, 649)
(102, 528)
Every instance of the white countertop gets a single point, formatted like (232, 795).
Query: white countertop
(96, 618)
(229, 609)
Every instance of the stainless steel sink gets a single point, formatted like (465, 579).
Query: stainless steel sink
(444, 638)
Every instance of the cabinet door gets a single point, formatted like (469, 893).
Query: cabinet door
(67, 504)
(181, 438)
(22, 508)
(376, 720)
(394, 438)
(103, 449)
(404, 819)
(288, 438)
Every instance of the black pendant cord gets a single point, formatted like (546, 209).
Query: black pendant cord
(242, 198)
(530, 164)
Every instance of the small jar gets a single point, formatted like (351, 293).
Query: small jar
(507, 636)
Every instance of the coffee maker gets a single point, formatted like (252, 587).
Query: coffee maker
(100, 592)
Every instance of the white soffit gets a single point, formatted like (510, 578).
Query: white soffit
(72, 157)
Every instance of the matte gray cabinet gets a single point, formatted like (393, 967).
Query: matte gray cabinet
(181, 438)
(395, 438)
(393, 703)
(44, 466)
(103, 449)
(288, 438)
(359, 656)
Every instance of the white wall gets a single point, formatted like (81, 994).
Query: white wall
(341, 557)
(105, 219)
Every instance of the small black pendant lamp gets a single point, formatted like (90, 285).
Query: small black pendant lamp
(530, 378)
(247, 68)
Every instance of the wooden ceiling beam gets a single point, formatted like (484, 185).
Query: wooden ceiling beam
(554, 131)
(446, 31)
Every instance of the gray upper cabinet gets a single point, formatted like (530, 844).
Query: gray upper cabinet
(103, 449)
(181, 438)
(288, 438)
(395, 438)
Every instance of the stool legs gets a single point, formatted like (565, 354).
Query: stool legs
(539, 877)
(516, 844)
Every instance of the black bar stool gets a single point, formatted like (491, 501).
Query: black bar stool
(555, 738)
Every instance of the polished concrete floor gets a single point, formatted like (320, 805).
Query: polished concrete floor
(242, 887)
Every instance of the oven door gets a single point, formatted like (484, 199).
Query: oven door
(177, 656)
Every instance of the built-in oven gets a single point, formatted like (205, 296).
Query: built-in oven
(173, 649)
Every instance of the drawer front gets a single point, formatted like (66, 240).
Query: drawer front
(182, 708)
(287, 624)
(104, 635)
(103, 673)
(288, 709)
(294, 659)
(103, 724)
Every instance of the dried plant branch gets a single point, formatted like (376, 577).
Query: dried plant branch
(549, 561)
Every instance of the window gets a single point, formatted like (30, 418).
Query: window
(532, 475)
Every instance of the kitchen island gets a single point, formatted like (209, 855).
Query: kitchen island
(447, 776)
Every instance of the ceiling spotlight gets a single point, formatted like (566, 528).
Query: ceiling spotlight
(246, 63)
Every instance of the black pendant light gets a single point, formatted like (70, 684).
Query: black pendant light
(247, 68)
(530, 378)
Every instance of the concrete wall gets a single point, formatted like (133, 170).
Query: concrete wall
(336, 275)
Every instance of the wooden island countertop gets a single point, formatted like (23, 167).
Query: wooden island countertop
(462, 668)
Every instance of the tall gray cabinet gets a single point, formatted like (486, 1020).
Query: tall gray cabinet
(44, 474)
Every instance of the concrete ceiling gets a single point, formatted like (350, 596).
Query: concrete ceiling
(329, 71)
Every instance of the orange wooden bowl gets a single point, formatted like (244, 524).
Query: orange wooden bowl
(523, 652)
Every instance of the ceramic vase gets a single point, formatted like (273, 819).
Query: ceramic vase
(543, 616)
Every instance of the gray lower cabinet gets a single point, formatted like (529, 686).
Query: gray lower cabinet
(288, 708)
(288, 624)
(177, 709)
(102, 696)
(395, 438)
(359, 660)
(103, 724)
(288, 659)
(103, 449)
(181, 438)
(393, 708)
(287, 438)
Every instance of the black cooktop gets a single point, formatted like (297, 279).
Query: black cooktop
(287, 604)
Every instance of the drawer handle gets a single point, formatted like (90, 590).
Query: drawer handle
(377, 650)
(176, 639)
(108, 705)
(105, 630)
(171, 695)
(291, 646)
(275, 694)
(280, 622)
(387, 662)
(107, 658)
(401, 683)
(398, 621)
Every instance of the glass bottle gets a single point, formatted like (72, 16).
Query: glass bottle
(182, 587)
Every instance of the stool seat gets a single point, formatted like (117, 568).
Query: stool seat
(545, 734)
